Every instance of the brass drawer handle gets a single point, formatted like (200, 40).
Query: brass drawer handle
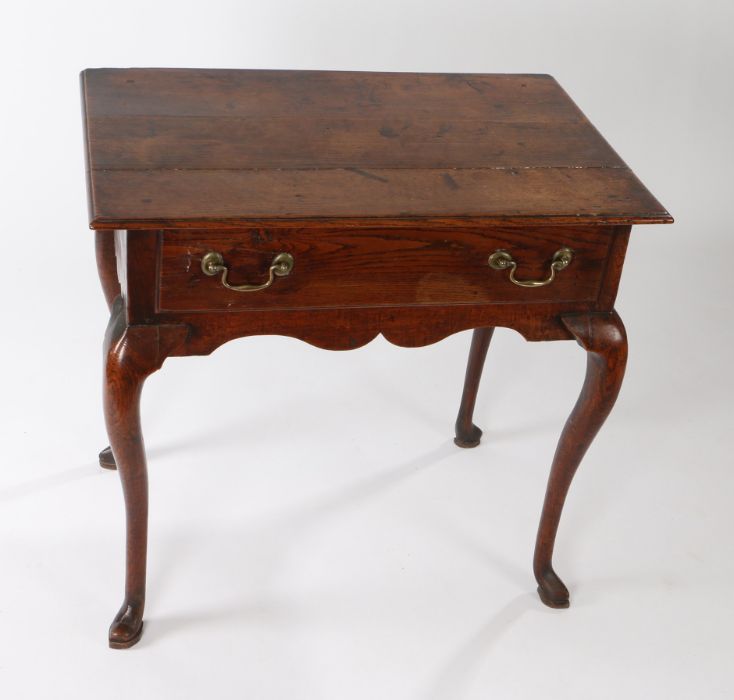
(213, 263)
(502, 260)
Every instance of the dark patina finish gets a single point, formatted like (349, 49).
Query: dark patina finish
(335, 206)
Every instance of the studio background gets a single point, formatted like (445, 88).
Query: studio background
(314, 532)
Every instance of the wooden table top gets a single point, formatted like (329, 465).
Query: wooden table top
(212, 148)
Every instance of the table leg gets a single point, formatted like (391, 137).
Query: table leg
(104, 244)
(131, 354)
(107, 459)
(603, 337)
(468, 434)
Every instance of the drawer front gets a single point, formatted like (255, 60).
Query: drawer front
(378, 267)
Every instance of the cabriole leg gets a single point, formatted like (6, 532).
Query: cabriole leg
(104, 244)
(603, 337)
(131, 354)
(468, 434)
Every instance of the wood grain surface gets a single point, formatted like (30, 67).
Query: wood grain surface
(177, 147)
(379, 267)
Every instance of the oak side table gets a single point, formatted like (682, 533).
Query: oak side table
(335, 206)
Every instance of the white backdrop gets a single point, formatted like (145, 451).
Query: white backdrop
(314, 532)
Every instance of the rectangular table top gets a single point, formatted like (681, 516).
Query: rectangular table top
(190, 148)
